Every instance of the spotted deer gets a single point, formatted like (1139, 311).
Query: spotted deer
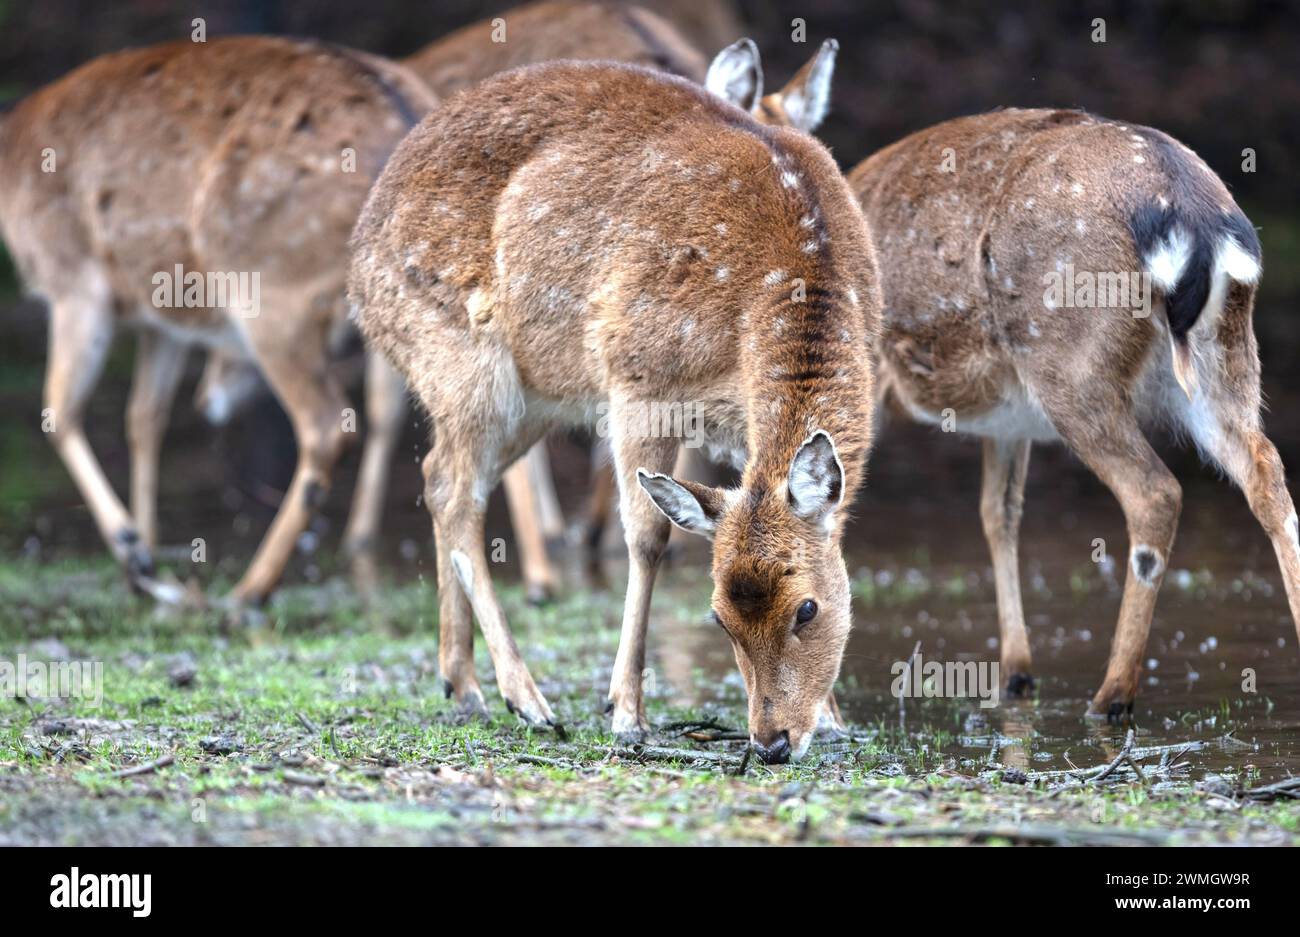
(735, 75)
(575, 238)
(989, 229)
(238, 155)
(525, 35)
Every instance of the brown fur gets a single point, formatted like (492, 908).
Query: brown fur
(556, 29)
(964, 257)
(568, 235)
(218, 156)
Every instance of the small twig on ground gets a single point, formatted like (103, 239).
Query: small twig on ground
(308, 724)
(539, 760)
(147, 768)
(744, 762)
(694, 725)
(1122, 757)
(657, 753)
(303, 780)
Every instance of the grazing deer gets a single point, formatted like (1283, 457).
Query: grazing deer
(981, 222)
(570, 235)
(977, 223)
(143, 170)
(735, 75)
(539, 32)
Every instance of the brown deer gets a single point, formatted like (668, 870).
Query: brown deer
(556, 29)
(539, 250)
(978, 222)
(735, 75)
(143, 170)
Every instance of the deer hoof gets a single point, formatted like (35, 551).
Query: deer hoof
(1020, 685)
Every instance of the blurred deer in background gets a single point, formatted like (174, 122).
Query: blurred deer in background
(979, 222)
(541, 246)
(240, 157)
(558, 29)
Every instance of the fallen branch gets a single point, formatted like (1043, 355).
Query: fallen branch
(1052, 836)
(657, 753)
(1270, 792)
(147, 768)
(303, 780)
(1120, 759)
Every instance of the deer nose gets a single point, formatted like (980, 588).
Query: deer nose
(776, 752)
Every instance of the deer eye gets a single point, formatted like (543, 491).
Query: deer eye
(807, 612)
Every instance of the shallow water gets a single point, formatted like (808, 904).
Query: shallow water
(1222, 619)
(920, 568)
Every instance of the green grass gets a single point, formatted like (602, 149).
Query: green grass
(326, 724)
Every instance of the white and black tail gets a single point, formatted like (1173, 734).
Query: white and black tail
(1194, 243)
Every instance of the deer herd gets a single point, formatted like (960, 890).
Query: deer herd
(588, 217)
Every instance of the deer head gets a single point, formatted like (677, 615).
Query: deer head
(781, 590)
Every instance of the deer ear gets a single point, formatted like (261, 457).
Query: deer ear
(807, 98)
(692, 507)
(816, 481)
(736, 75)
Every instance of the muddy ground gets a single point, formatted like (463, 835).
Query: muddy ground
(324, 722)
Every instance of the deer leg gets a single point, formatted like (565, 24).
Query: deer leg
(385, 411)
(525, 517)
(603, 491)
(1107, 438)
(455, 616)
(299, 377)
(159, 364)
(458, 482)
(1251, 460)
(81, 331)
(645, 530)
(550, 514)
(1001, 505)
(1271, 504)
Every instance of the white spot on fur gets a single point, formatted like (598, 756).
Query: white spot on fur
(464, 571)
(1231, 260)
(1154, 569)
(810, 247)
(1168, 259)
(1076, 189)
(853, 296)
(1080, 226)
(474, 305)
(721, 228)
(773, 278)
(722, 273)
(790, 179)
(1139, 159)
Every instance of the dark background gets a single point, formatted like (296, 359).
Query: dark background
(1222, 76)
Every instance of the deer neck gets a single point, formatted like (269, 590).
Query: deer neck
(805, 365)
